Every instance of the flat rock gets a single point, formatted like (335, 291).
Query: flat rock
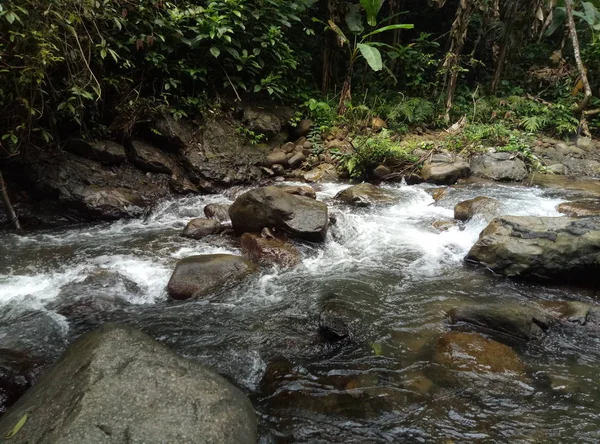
(486, 207)
(147, 157)
(444, 225)
(197, 276)
(104, 151)
(299, 190)
(580, 208)
(557, 249)
(200, 227)
(270, 207)
(500, 166)
(322, 173)
(445, 170)
(364, 195)
(118, 385)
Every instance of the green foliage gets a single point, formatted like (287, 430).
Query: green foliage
(412, 110)
(250, 136)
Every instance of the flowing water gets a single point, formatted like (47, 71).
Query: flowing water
(385, 269)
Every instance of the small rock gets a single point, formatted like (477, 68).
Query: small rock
(278, 169)
(381, 171)
(558, 168)
(322, 173)
(485, 206)
(267, 251)
(444, 225)
(199, 228)
(364, 195)
(198, 275)
(288, 147)
(307, 145)
(437, 193)
(218, 212)
(277, 157)
(585, 143)
(299, 190)
(296, 160)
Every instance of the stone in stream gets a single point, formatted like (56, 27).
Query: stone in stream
(555, 249)
(364, 195)
(443, 169)
(299, 190)
(196, 276)
(444, 225)
(200, 227)
(118, 385)
(18, 371)
(270, 207)
(580, 208)
(485, 206)
(218, 212)
(338, 320)
(268, 251)
(526, 322)
(472, 352)
(500, 166)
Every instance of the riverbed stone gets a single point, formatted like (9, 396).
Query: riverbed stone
(526, 322)
(444, 225)
(580, 208)
(277, 157)
(147, 157)
(200, 227)
(268, 251)
(556, 249)
(443, 169)
(299, 190)
(472, 352)
(104, 151)
(118, 385)
(18, 372)
(324, 172)
(499, 166)
(557, 168)
(218, 212)
(199, 275)
(270, 207)
(267, 120)
(364, 195)
(296, 160)
(487, 207)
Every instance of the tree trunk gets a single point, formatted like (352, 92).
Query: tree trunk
(577, 52)
(509, 18)
(10, 211)
(346, 94)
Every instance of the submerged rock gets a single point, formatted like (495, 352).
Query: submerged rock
(364, 195)
(580, 208)
(269, 251)
(218, 212)
(484, 206)
(199, 228)
(558, 249)
(338, 320)
(118, 385)
(525, 322)
(500, 166)
(271, 207)
(444, 170)
(18, 372)
(198, 275)
(444, 225)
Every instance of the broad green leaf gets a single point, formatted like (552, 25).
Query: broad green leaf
(372, 8)
(10, 17)
(371, 55)
(559, 15)
(17, 427)
(335, 28)
(216, 52)
(389, 28)
(592, 12)
(354, 20)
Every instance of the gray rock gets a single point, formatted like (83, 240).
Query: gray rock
(218, 212)
(267, 251)
(322, 173)
(278, 169)
(364, 195)
(150, 158)
(558, 168)
(197, 276)
(199, 228)
(296, 160)
(303, 128)
(271, 207)
(381, 171)
(484, 206)
(557, 249)
(525, 322)
(118, 385)
(580, 208)
(277, 157)
(18, 371)
(585, 143)
(105, 151)
(499, 166)
(444, 225)
(288, 147)
(266, 120)
(445, 170)
(299, 190)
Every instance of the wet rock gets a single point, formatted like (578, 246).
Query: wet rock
(438, 193)
(500, 166)
(573, 311)
(580, 208)
(288, 147)
(322, 173)
(484, 206)
(118, 385)
(218, 212)
(268, 120)
(197, 276)
(171, 134)
(277, 157)
(445, 170)
(278, 169)
(526, 322)
(18, 372)
(267, 251)
(104, 151)
(557, 249)
(150, 158)
(299, 190)
(338, 320)
(269, 207)
(444, 225)
(583, 186)
(364, 195)
(296, 160)
(381, 171)
(199, 228)
(108, 203)
(472, 352)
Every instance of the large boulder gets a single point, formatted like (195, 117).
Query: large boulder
(118, 385)
(525, 322)
(199, 228)
(487, 207)
(147, 157)
(271, 207)
(443, 169)
(198, 275)
(559, 249)
(580, 208)
(364, 195)
(268, 251)
(104, 151)
(501, 166)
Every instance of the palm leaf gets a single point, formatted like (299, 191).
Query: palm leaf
(371, 55)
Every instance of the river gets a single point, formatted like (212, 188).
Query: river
(385, 267)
